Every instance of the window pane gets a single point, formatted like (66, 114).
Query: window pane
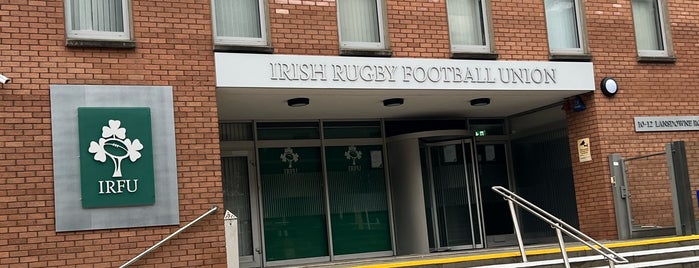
(466, 22)
(359, 21)
(97, 15)
(288, 131)
(235, 131)
(358, 202)
(236, 198)
(562, 24)
(646, 18)
(293, 203)
(488, 126)
(238, 18)
(346, 130)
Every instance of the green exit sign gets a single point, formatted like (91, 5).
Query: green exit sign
(480, 133)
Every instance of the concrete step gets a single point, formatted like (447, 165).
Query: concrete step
(642, 258)
(677, 251)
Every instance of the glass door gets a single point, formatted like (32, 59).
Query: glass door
(294, 218)
(453, 196)
(493, 171)
(358, 202)
(240, 199)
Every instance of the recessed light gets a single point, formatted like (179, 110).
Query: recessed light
(393, 102)
(480, 102)
(298, 102)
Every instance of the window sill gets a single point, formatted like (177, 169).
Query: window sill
(366, 53)
(474, 55)
(664, 59)
(100, 43)
(244, 49)
(570, 57)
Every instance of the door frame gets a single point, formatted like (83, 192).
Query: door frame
(503, 239)
(477, 226)
(241, 150)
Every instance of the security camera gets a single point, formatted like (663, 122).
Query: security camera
(4, 79)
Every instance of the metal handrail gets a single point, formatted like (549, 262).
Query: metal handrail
(557, 224)
(212, 210)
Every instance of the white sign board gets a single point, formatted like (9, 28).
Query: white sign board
(666, 123)
(323, 72)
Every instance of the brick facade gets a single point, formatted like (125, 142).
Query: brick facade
(646, 89)
(174, 47)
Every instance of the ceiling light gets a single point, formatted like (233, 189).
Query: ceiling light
(480, 102)
(298, 102)
(393, 102)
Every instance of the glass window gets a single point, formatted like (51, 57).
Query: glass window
(236, 198)
(352, 129)
(288, 131)
(293, 203)
(468, 25)
(564, 26)
(484, 127)
(361, 24)
(239, 22)
(98, 19)
(358, 201)
(235, 131)
(649, 24)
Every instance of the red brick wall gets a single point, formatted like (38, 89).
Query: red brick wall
(304, 27)
(173, 47)
(520, 30)
(650, 192)
(646, 89)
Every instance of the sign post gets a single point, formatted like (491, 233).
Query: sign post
(230, 223)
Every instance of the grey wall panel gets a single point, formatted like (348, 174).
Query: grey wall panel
(70, 216)
(408, 198)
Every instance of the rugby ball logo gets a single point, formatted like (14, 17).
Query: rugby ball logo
(116, 146)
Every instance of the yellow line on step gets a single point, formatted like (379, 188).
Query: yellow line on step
(528, 252)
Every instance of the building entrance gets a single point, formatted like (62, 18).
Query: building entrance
(452, 173)
(302, 196)
(452, 199)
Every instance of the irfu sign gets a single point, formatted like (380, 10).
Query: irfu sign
(116, 157)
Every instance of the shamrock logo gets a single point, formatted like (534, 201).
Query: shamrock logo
(353, 154)
(116, 146)
(289, 156)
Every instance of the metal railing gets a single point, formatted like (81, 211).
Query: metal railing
(212, 210)
(559, 225)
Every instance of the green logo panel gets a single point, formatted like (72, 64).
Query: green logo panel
(116, 157)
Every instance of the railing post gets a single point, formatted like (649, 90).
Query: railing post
(560, 226)
(230, 223)
(515, 222)
(562, 245)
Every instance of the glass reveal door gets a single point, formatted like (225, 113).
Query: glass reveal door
(453, 196)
